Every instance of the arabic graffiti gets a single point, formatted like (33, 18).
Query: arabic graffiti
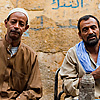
(69, 26)
(26, 34)
(64, 5)
(59, 26)
(41, 17)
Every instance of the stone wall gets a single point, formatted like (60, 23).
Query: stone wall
(53, 30)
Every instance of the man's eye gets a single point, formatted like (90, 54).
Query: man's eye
(13, 22)
(85, 29)
(93, 27)
(21, 24)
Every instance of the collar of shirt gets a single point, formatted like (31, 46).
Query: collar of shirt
(8, 46)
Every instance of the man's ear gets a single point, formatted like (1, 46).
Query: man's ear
(79, 33)
(27, 26)
(5, 21)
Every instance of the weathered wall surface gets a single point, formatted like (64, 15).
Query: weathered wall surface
(53, 30)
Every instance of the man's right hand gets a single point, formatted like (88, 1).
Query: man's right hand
(96, 73)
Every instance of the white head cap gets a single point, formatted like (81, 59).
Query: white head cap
(18, 10)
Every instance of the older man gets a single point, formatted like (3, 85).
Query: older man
(19, 70)
(83, 58)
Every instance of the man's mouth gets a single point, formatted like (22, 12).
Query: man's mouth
(15, 32)
(91, 37)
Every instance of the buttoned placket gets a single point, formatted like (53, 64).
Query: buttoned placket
(8, 54)
(5, 85)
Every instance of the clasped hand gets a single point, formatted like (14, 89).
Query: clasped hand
(96, 73)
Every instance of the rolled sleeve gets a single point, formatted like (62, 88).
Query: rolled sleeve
(69, 74)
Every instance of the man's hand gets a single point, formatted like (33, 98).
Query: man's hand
(80, 79)
(96, 73)
(21, 97)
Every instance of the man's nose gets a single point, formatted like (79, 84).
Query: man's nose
(16, 25)
(90, 31)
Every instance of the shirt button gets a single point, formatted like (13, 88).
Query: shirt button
(8, 58)
(9, 47)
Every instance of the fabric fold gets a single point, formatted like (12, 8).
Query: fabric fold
(84, 58)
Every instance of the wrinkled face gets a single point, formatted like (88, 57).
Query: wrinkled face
(89, 31)
(16, 25)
